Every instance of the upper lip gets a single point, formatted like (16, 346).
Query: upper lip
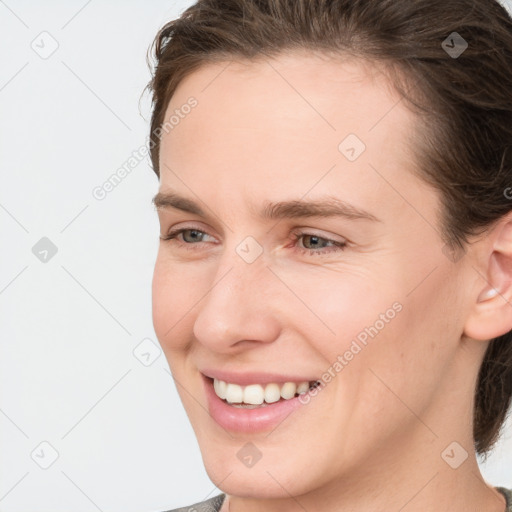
(252, 377)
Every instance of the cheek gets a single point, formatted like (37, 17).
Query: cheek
(375, 322)
(172, 300)
(411, 355)
(343, 306)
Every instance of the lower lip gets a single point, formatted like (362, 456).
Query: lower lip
(238, 419)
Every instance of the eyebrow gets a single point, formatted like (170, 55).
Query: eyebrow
(328, 206)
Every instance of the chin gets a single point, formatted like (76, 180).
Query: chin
(274, 476)
(252, 483)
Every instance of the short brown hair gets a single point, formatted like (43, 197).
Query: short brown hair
(464, 105)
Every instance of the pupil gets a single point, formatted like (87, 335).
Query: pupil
(193, 233)
(313, 240)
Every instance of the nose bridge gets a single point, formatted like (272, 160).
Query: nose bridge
(237, 306)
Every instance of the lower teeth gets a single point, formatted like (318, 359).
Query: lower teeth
(248, 406)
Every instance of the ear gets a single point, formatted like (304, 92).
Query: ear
(491, 310)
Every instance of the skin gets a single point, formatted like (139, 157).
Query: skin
(372, 438)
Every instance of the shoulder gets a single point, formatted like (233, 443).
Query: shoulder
(212, 505)
(508, 496)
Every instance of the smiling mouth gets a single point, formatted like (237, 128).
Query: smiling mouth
(260, 395)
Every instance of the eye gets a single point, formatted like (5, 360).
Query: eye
(315, 242)
(193, 235)
(188, 238)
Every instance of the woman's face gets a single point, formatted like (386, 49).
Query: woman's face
(268, 285)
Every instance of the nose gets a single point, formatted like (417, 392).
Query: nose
(241, 308)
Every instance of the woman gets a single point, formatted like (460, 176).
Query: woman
(332, 288)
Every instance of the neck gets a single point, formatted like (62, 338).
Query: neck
(405, 480)
(439, 492)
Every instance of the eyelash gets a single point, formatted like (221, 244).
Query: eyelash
(296, 236)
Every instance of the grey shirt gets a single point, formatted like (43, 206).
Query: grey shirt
(214, 504)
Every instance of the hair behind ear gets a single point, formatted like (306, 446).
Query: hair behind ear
(493, 395)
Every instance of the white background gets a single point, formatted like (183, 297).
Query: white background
(68, 327)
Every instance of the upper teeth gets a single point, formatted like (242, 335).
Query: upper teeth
(256, 394)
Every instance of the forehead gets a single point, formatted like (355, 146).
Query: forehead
(290, 118)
